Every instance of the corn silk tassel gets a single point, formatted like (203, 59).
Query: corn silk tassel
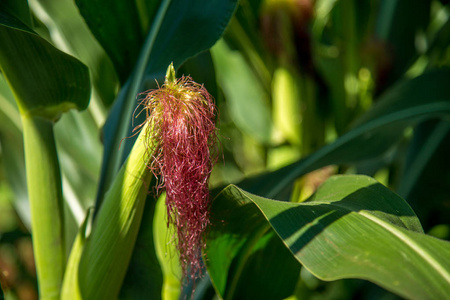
(182, 140)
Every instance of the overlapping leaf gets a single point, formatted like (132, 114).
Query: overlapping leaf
(353, 227)
(411, 101)
(45, 81)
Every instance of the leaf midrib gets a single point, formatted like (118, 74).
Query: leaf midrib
(409, 242)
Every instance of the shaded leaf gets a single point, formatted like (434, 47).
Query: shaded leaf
(45, 81)
(20, 9)
(424, 97)
(117, 27)
(425, 191)
(13, 158)
(243, 256)
(398, 24)
(201, 69)
(69, 32)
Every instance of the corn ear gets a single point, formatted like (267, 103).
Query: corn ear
(98, 265)
(286, 105)
(70, 288)
(166, 252)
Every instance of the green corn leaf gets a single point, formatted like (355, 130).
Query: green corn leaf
(406, 104)
(71, 288)
(353, 227)
(248, 102)
(398, 23)
(69, 31)
(13, 160)
(45, 81)
(120, 28)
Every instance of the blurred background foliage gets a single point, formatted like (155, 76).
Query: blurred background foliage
(288, 76)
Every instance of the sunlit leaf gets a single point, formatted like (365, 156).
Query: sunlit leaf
(353, 227)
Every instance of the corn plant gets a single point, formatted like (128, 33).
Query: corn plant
(220, 150)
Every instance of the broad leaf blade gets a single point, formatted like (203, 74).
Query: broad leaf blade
(20, 9)
(117, 26)
(352, 228)
(189, 28)
(361, 193)
(70, 32)
(45, 81)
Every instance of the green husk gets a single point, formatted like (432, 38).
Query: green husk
(98, 263)
(166, 252)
